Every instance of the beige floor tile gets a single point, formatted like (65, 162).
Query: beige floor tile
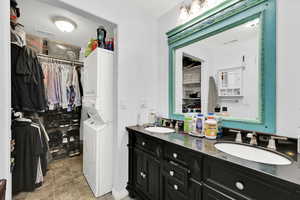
(64, 181)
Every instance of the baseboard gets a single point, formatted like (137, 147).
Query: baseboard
(119, 195)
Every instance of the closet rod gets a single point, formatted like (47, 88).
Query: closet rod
(61, 60)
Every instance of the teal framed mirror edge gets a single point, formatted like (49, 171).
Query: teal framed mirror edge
(249, 9)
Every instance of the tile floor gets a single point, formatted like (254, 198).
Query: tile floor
(64, 181)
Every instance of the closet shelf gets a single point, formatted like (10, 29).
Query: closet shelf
(192, 98)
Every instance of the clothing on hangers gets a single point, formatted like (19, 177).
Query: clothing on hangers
(30, 156)
(28, 92)
(62, 85)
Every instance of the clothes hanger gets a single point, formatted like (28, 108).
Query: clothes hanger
(21, 118)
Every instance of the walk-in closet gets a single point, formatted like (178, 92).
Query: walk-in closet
(60, 60)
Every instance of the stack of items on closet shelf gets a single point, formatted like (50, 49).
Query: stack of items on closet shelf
(63, 93)
(29, 139)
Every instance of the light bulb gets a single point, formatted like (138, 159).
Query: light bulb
(184, 14)
(196, 7)
(64, 25)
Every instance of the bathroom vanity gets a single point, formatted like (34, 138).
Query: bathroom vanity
(175, 166)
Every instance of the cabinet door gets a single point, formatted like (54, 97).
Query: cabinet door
(194, 190)
(140, 172)
(212, 194)
(153, 178)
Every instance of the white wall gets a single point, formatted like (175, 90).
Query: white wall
(5, 95)
(137, 76)
(288, 95)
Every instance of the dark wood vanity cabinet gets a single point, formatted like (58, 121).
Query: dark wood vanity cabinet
(147, 174)
(160, 170)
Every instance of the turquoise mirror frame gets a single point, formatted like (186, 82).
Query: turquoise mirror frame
(227, 15)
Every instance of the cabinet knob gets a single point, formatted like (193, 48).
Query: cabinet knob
(175, 155)
(239, 185)
(175, 187)
(171, 173)
(143, 143)
(143, 175)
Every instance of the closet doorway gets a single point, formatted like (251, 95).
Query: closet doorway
(49, 48)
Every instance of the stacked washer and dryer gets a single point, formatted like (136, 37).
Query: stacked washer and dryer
(98, 128)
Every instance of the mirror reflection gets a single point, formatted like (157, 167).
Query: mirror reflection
(221, 74)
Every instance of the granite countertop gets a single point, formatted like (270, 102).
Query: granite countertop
(290, 173)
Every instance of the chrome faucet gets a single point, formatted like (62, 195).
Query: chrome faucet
(253, 136)
(238, 137)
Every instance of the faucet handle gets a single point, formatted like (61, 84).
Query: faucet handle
(272, 143)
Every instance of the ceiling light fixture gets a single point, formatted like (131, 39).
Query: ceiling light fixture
(64, 24)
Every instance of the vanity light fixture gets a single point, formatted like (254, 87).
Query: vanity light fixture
(64, 24)
(196, 7)
(184, 13)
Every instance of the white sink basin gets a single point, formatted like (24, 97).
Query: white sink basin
(253, 153)
(159, 130)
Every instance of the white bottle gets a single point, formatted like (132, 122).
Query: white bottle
(211, 128)
(194, 124)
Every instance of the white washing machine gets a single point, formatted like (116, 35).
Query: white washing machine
(97, 156)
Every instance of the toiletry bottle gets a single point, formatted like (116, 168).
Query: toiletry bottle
(200, 125)
(139, 123)
(211, 129)
(194, 124)
(219, 126)
(225, 111)
(188, 123)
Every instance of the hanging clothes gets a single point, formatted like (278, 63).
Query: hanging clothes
(30, 156)
(62, 85)
(28, 92)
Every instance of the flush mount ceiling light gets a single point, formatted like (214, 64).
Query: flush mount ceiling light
(64, 24)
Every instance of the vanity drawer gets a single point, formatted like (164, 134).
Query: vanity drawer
(147, 144)
(175, 171)
(243, 183)
(176, 154)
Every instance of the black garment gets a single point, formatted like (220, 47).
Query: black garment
(28, 91)
(29, 147)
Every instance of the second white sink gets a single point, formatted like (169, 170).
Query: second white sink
(253, 153)
(159, 130)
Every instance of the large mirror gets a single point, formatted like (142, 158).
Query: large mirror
(224, 61)
(221, 74)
